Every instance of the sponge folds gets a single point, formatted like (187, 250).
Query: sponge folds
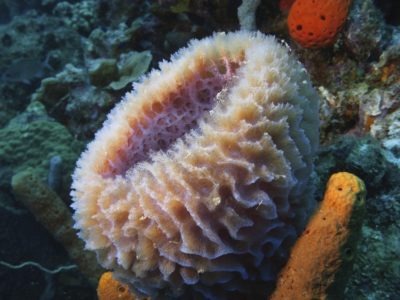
(198, 182)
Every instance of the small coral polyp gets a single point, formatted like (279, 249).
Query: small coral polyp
(160, 122)
(198, 182)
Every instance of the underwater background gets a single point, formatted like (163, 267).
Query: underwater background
(65, 64)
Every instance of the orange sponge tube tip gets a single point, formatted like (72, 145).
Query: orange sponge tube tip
(321, 260)
(315, 24)
(111, 289)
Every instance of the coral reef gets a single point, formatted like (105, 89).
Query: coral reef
(32, 48)
(362, 156)
(35, 142)
(74, 101)
(39, 36)
(78, 16)
(77, 58)
(205, 169)
(376, 271)
(321, 260)
(32, 139)
(315, 24)
(366, 34)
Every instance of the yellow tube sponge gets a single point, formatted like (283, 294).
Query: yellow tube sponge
(322, 257)
(198, 182)
(50, 211)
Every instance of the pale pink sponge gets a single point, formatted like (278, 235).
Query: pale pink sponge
(198, 182)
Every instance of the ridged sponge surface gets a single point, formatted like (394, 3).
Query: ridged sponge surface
(198, 182)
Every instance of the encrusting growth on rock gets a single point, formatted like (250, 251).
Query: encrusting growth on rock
(322, 257)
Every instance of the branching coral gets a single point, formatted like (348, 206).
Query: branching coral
(198, 182)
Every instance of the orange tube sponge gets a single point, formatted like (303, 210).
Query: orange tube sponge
(111, 289)
(322, 257)
(315, 24)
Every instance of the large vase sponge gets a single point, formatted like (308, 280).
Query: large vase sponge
(198, 182)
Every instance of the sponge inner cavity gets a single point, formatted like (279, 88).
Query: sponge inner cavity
(160, 123)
